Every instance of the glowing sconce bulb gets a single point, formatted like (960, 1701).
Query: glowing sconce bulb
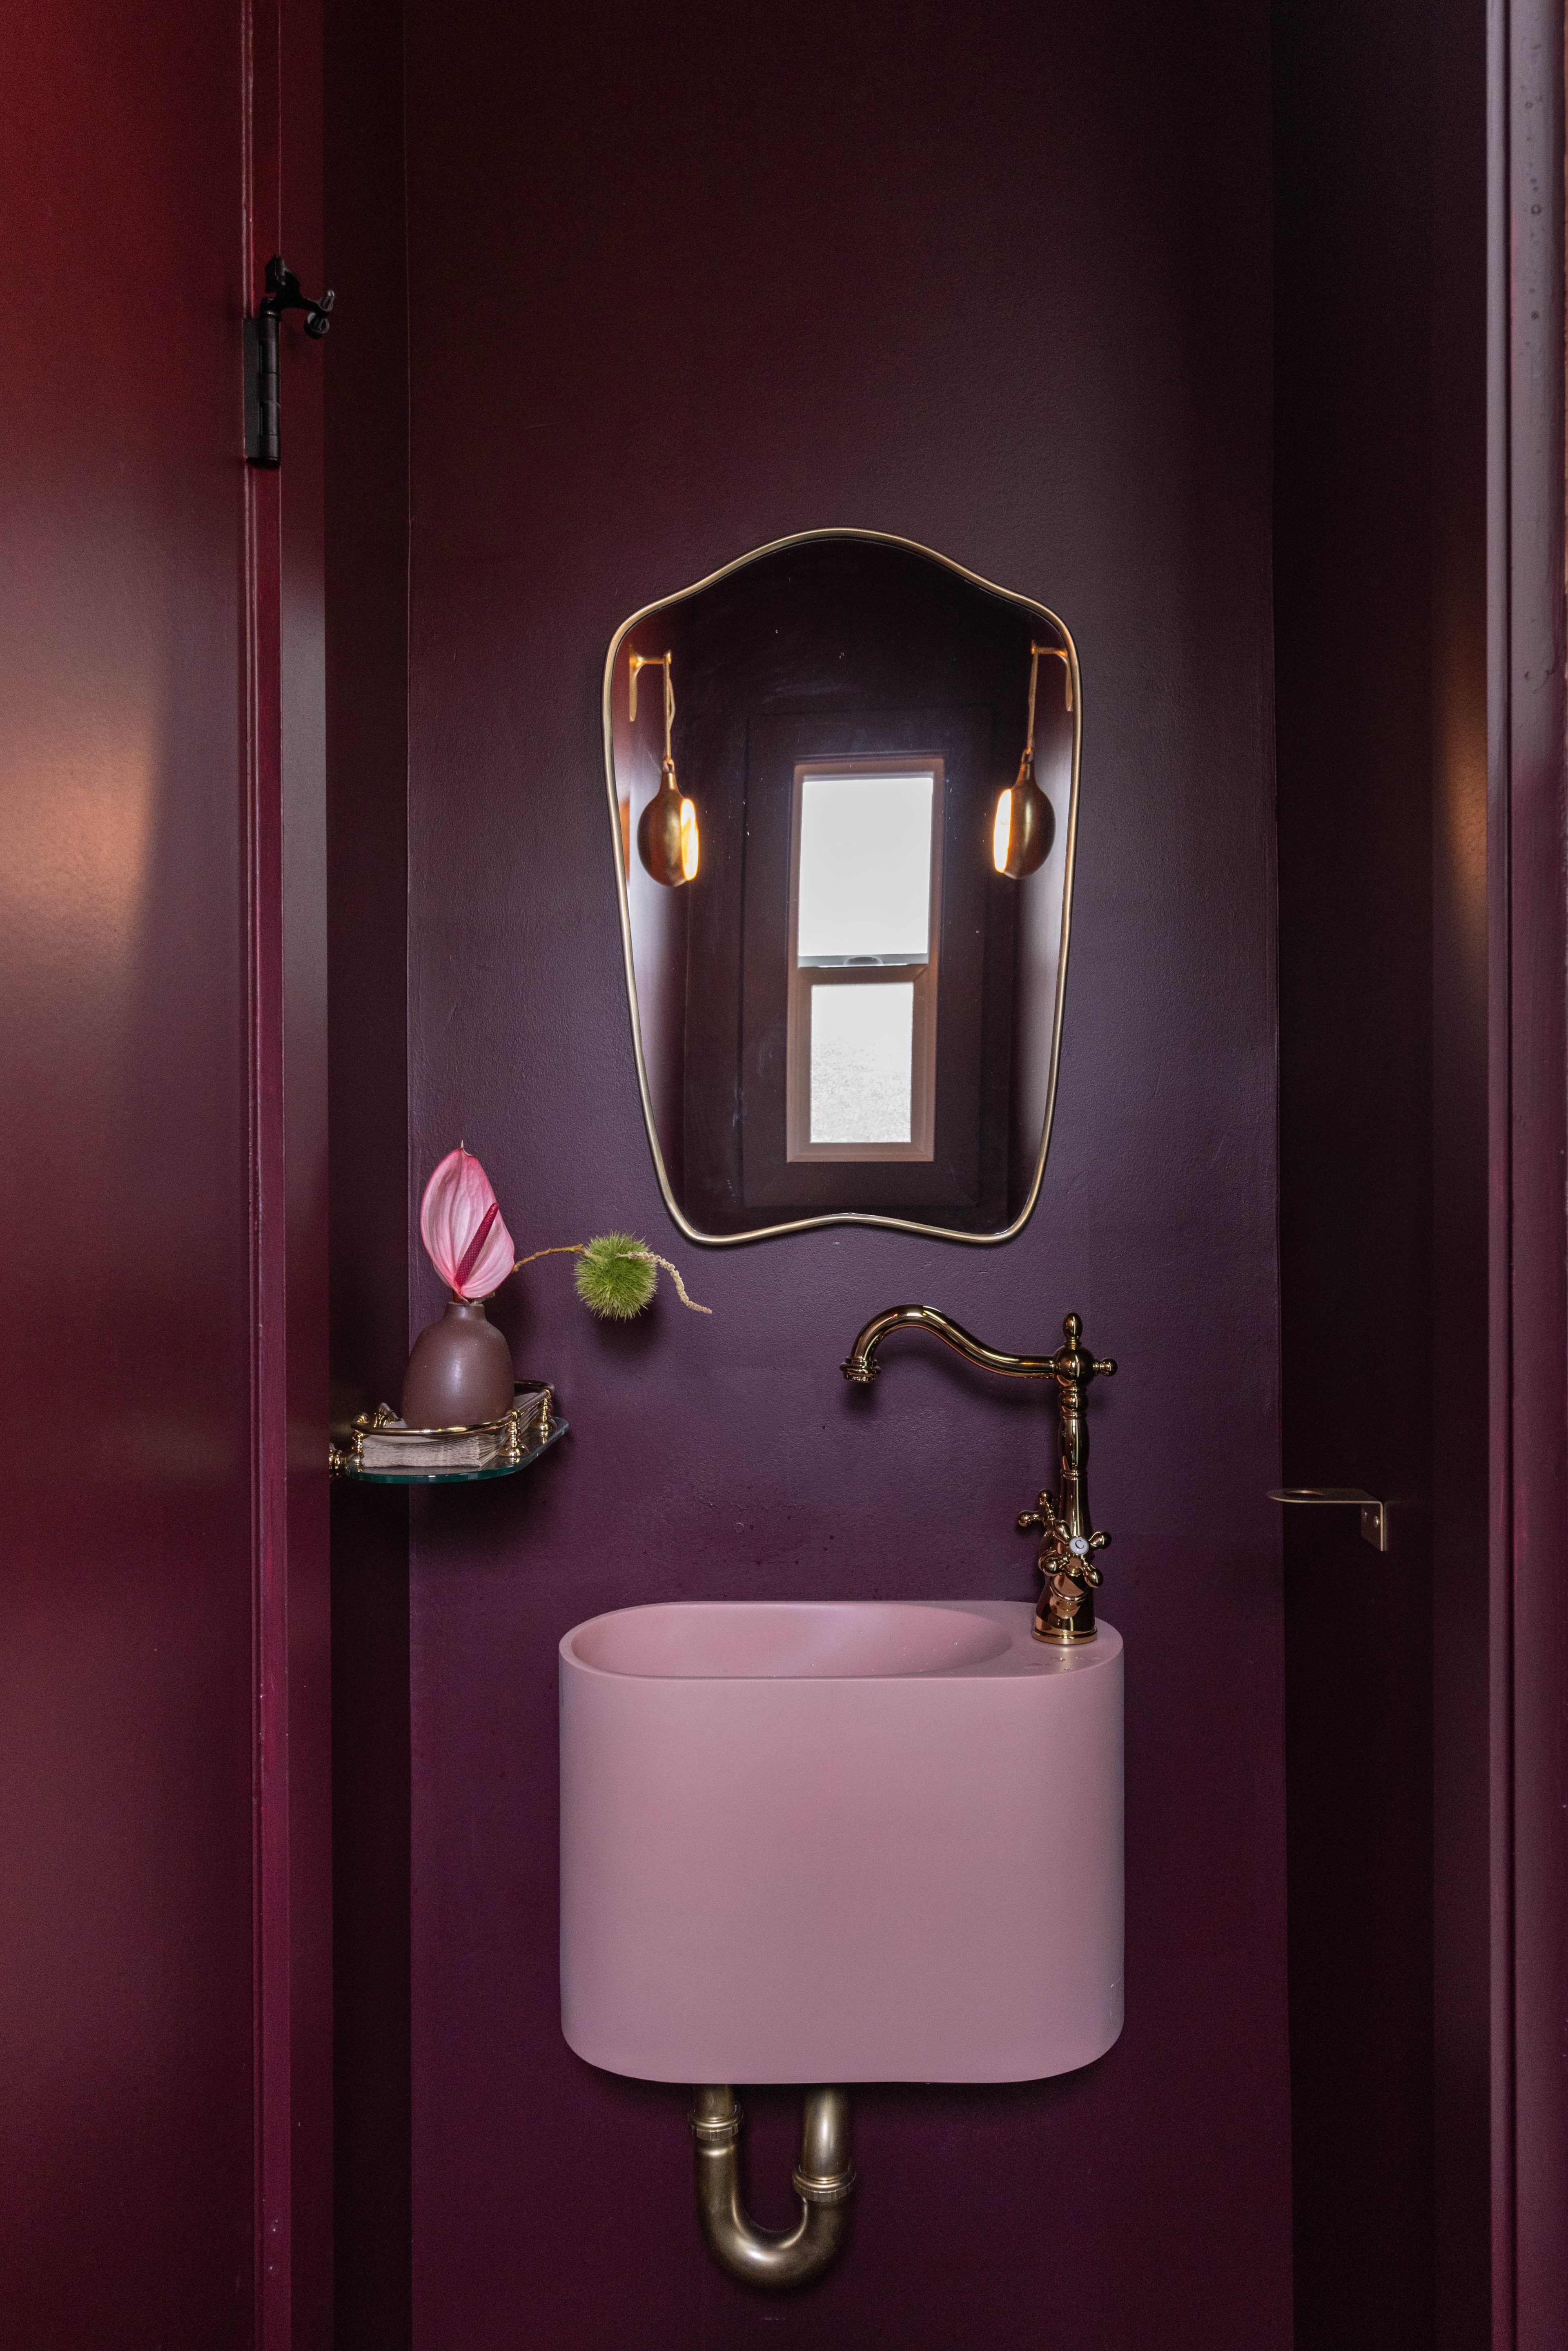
(1002, 831)
(668, 828)
(1025, 825)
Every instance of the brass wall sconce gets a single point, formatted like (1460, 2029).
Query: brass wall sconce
(667, 840)
(1025, 827)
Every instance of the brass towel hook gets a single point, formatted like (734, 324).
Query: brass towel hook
(1373, 1513)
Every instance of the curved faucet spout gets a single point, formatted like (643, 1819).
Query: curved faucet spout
(862, 1367)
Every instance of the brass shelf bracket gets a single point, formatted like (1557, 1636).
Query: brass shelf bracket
(1373, 1513)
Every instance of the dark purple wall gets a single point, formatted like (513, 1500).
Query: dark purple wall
(1001, 286)
(1352, 600)
(1461, 2154)
(1380, 590)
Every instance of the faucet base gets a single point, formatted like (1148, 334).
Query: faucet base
(1065, 1637)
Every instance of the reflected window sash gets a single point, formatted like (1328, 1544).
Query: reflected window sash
(812, 975)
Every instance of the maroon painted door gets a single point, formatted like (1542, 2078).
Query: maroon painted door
(164, 2034)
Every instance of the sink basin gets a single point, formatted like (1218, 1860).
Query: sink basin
(841, 1842)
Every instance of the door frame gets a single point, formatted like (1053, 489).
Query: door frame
(284, 723)
(1527, 1053)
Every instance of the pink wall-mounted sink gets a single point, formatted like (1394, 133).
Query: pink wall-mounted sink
(839, 1842)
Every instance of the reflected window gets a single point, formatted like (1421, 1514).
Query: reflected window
(862, 1057)
(864, 885)
(866, 903)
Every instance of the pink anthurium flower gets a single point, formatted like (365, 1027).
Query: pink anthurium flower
(460, 1224)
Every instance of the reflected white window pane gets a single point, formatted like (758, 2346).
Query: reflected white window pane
(862, 1058)
(865, 866)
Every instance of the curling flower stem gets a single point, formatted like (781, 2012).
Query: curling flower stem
(673, 1272)
(641, 1256)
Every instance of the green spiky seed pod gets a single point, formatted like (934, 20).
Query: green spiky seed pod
(616, 1276)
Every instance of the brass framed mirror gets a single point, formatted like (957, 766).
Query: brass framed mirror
(842, 777)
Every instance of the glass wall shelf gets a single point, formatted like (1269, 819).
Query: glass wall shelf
(454, 1477)
(534, 1427)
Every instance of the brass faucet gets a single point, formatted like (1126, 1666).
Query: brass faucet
(1065, 1613)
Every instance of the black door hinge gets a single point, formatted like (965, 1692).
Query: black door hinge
(262, 442)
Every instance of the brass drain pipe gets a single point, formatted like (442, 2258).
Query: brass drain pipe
(822, 2180)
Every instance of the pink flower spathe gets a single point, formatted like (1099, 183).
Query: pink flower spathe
(460, 1225)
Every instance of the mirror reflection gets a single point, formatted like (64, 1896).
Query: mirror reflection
(842, 779)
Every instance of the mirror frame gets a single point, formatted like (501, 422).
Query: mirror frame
(1069, 831)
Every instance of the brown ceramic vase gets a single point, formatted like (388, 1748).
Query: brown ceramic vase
(460, 1372)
